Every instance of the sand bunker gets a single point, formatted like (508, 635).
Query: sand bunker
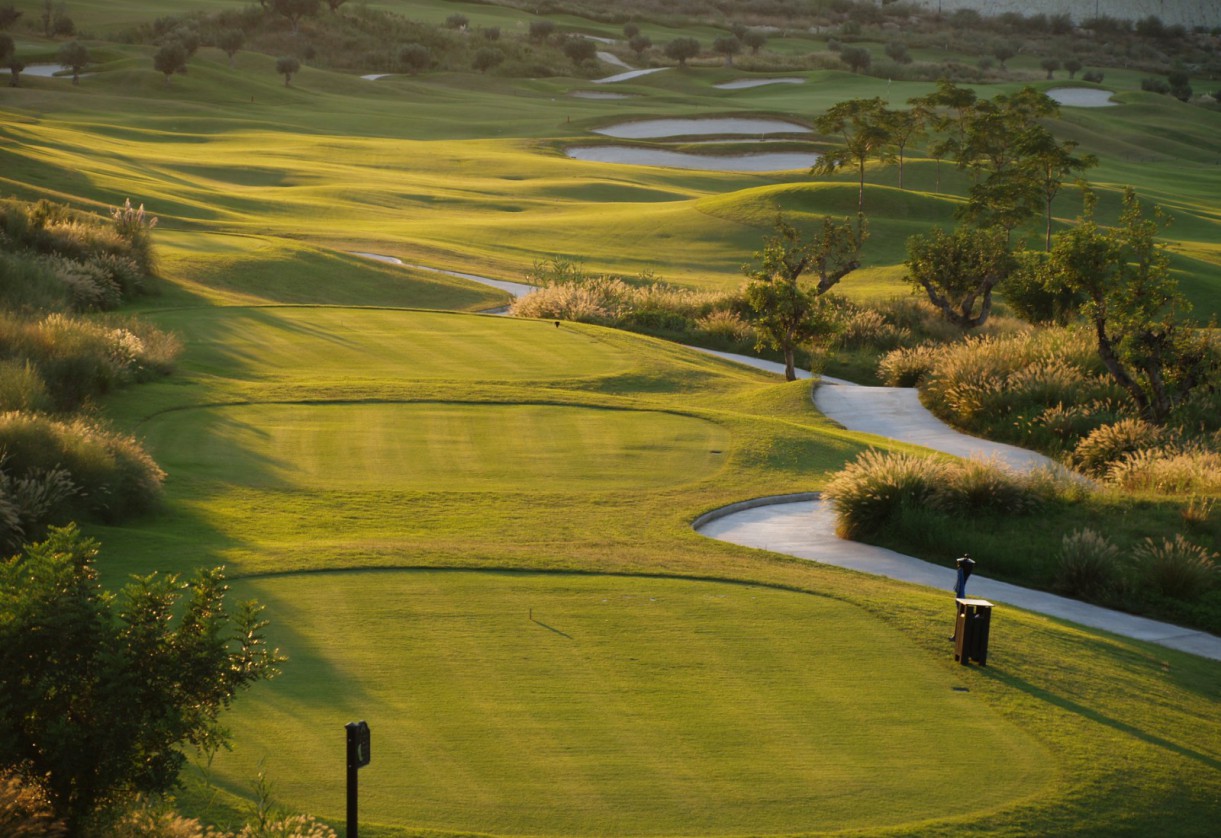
(1082, 97)
(633, 74)
(653, 128)
(745, 84)
(598, 94)
(772, 162)
(375, 76)
(613, 60)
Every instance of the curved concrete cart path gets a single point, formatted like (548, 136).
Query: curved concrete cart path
(803, 526)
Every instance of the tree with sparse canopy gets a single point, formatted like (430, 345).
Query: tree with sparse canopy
(101, 691)
(295, 10)
(639, 43)
(728, 46)
(287, 66)
(785, 311)
(541, 30)
(1073, 65)
(1134, 307)
(1050, 65)
(862, 124)
(682, 49)
(959, 271)
(73, 56)
(230, 41)
(170, 58)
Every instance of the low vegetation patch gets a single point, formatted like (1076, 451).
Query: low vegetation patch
(57, 356)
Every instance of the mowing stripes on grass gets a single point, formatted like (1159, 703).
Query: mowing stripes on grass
(343, 344)
(626, 706)
(437, 447)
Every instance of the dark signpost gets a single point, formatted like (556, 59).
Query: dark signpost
(358, 758)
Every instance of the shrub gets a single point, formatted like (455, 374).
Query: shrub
(1086, 564)
(860, 328)
(1178, 568)
(907, 367)
(31, 503)
(113, 474)
(873, 490)
(22, 387)
(880, 489)
(1110, 443)
(1174, 472)
(973, 487)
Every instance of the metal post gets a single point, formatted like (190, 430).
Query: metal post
(353, 780)
(358, 757)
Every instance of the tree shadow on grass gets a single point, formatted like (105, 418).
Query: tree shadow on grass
(1013, 681)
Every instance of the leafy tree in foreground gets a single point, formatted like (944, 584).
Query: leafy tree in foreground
(1134, 307)
(958, 271)
(73, 56)
(287, 66)
(682, 49)
(100, 691)
(169, 59)
(786, 312)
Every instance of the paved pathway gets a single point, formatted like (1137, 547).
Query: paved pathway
(805, 527)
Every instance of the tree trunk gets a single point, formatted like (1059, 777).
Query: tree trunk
(790, 367)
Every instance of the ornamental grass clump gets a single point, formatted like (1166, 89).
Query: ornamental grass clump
(1178, 568)
(114, 477)
(1109, 444)
(880, 490)
(907, 367)
(869, 493)
(1087, 565)
(1190, 470)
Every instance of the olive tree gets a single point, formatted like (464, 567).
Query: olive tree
(414, 58)
(102, 691)
(170, 58)
(287, 66)
(958, 271)
(295, 10)
(784, 310)
(73, 56)
(863, 126)
(230, 41)
(728, 46)
(1134, 307)
(682, 49)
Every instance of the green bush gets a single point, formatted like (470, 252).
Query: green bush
(1087, 565)
(1176, 569)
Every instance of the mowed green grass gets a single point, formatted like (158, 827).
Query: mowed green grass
(431, 446)
(467, 173)
(624, 706)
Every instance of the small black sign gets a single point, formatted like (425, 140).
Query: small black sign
(358, 744)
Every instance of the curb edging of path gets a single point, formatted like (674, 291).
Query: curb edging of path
(753, 503)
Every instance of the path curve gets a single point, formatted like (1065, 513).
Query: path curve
(803, 525)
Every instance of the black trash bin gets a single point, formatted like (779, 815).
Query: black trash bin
(971, 631)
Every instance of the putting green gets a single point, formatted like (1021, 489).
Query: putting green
(350, 345)
(589, 705)
(436, 447)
